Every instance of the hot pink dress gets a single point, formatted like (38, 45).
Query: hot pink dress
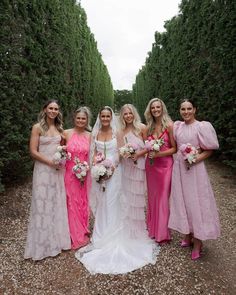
(192, 203)
(77, 193)
(158, 183)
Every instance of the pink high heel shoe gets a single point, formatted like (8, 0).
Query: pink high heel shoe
(185, 243)
(196, 254)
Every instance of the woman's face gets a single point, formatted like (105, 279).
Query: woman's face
(52, 110)
(105, 117)
(187, 111)
(81, 120)
(156, 109)
(128, 116)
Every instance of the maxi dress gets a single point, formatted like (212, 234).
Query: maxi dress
(77, 193)
(159, 183)
(192, 202)
(115, 246)
(48, 230)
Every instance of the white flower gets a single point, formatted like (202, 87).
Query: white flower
(156, 147)
(59, 148)
(57, 156)
(83, 173)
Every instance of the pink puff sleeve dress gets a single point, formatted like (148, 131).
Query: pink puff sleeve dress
(192, 202)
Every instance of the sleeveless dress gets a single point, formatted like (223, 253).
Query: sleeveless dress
(114, 249)
(159, 183)
(134, 191)
(48, 230)
(77, 194)
(192, 203)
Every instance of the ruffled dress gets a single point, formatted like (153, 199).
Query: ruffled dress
(192, 202)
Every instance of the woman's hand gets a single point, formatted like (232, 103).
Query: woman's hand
(152, 155)
(134, 157)
(54, 165)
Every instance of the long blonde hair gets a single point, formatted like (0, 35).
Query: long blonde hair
(42, 118)
(165, 118)
(87, 112)
(136, 121)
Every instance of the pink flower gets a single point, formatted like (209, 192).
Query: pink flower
(100, 157)
(107, 163)
(188, 149)
(150, 137)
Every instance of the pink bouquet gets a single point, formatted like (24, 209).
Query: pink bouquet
(154, 145)
(61, 156)
(102, 170)
(80, 170)
(128, 150)
(189, 153)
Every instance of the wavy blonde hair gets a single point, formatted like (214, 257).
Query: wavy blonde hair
(87, 112)
(165, 119)
(42, 118)
(136, 121)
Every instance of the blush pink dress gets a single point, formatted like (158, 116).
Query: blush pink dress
(158, 184)
(192, 203)
(77, 193)
(48, 230)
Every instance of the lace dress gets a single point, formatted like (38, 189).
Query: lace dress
(48, 230)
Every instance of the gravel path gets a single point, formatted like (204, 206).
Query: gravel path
(174, 272)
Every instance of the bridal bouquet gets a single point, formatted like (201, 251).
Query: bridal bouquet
(152, 144)
(80, 169)
(61, 156)
(102, 170)
(128, 150)
(189, 153)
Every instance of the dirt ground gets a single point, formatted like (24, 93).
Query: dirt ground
(173, 273)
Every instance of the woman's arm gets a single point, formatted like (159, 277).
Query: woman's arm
(34, 144)
(203, 155)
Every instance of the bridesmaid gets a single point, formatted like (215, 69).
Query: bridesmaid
(193, 209)
(78, 142)
(48, 230)
(133, 172)
(158, 173)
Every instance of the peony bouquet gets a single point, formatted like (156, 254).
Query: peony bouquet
(80, 169)
(189, 153)
(61, 156)
(128, 150)
(154, 145)
(102, 170)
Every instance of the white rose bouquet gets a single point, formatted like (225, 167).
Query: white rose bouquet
(80, 169)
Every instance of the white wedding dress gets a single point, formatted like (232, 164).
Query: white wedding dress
(113, 248)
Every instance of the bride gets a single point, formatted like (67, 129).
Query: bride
(113, 248)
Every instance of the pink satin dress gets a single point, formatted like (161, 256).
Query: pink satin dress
(158, 185)
(77, 193)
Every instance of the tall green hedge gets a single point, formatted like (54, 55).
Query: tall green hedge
(195, 58)
(47, 51)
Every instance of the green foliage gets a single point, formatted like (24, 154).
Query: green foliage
(122, 97)
(195, 58)
(47, 51)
